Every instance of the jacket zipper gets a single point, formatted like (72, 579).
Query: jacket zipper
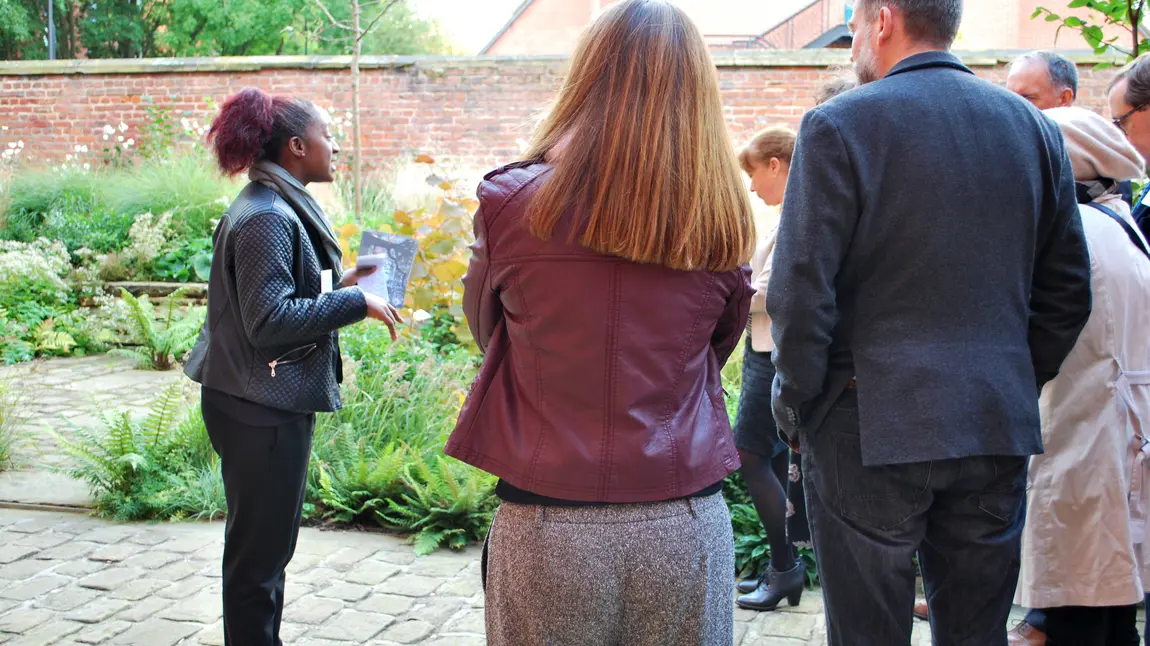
(279, 361)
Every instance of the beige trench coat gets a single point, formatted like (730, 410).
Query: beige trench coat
(1087, 494)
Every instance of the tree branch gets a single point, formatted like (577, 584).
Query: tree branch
(371, 25)
(330, 17)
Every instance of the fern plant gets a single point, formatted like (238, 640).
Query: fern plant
(350, 479)
(448, 504)
(162, 343)
(51, 342)
(137, 469)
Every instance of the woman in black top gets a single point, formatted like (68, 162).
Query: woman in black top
(268, 355)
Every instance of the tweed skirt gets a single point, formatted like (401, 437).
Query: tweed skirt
(655, 574)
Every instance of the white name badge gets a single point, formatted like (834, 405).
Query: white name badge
(325, 281)
(1146, 199)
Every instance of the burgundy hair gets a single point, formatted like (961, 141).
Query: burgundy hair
(252, 126)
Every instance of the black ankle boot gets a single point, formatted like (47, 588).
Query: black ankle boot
(775, 587)
(749, 584)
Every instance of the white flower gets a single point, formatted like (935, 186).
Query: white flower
(129, 143)
(420, 316)
(105, 137)
(347, 116)
(84, 148)
(120, 138)
(4, 128)
(78, 147)
(184, 123)
(123, 127)
(87, 166)
(68, 157)
(108, 130)
(11, 144)
(20, 143)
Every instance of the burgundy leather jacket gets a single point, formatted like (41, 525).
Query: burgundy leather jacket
(600, 380)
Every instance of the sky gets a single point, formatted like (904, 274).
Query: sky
(470, 24)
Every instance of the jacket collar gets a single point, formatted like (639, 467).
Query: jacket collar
(927, 60)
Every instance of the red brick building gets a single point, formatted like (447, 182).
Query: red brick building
(553, 26)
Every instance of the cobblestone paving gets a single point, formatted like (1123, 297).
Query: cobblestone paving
(66, 579)
(59, 393)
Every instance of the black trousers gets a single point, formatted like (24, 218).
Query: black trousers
(265, 476)
(1079, 626)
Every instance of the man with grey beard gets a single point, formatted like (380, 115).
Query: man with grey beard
(930, 275)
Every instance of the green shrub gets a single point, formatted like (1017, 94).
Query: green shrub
(400, 393)
(96, 209)
(148, 469)
(32, 293)
(87, 330)
(188, 261)
(14, 347)
(34, 193)
(377, 462)
(187, 185)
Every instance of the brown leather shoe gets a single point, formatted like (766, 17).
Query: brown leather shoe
(920, 610)
(1025, 635)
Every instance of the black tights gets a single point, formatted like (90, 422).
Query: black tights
(765, 478)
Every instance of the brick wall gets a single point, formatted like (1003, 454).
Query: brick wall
(470, 110)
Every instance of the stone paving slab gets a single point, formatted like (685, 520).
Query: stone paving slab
(57, 396)
(70, 579)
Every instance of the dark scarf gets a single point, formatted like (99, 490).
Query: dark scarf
(273, 176)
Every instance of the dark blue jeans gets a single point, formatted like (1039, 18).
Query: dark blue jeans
(963, 518)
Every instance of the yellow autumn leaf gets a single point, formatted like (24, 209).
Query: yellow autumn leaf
(401, 217)
(424, 159)
(446, 185)
(348, 230)
(449, 271)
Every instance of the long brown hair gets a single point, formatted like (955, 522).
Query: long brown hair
(645, 154)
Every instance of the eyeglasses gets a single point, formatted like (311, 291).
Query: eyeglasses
(1121, 121)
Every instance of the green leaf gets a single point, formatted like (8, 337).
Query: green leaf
(1052, 18)
(202, 264)
(427, 541)
(1074, 4)
(1073, 21)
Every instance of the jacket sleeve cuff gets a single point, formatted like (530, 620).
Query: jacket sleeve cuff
(351, 307)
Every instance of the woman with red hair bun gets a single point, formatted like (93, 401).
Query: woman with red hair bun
(268, 356)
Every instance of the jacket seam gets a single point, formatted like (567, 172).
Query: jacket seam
(607, 453)
(678, 379)
(537, 360)
(478, 406)
(511, 192)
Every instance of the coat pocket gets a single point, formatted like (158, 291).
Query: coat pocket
(291, 357)
(280, 380)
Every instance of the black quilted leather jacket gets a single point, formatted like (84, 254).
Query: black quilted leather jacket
(270, 336)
